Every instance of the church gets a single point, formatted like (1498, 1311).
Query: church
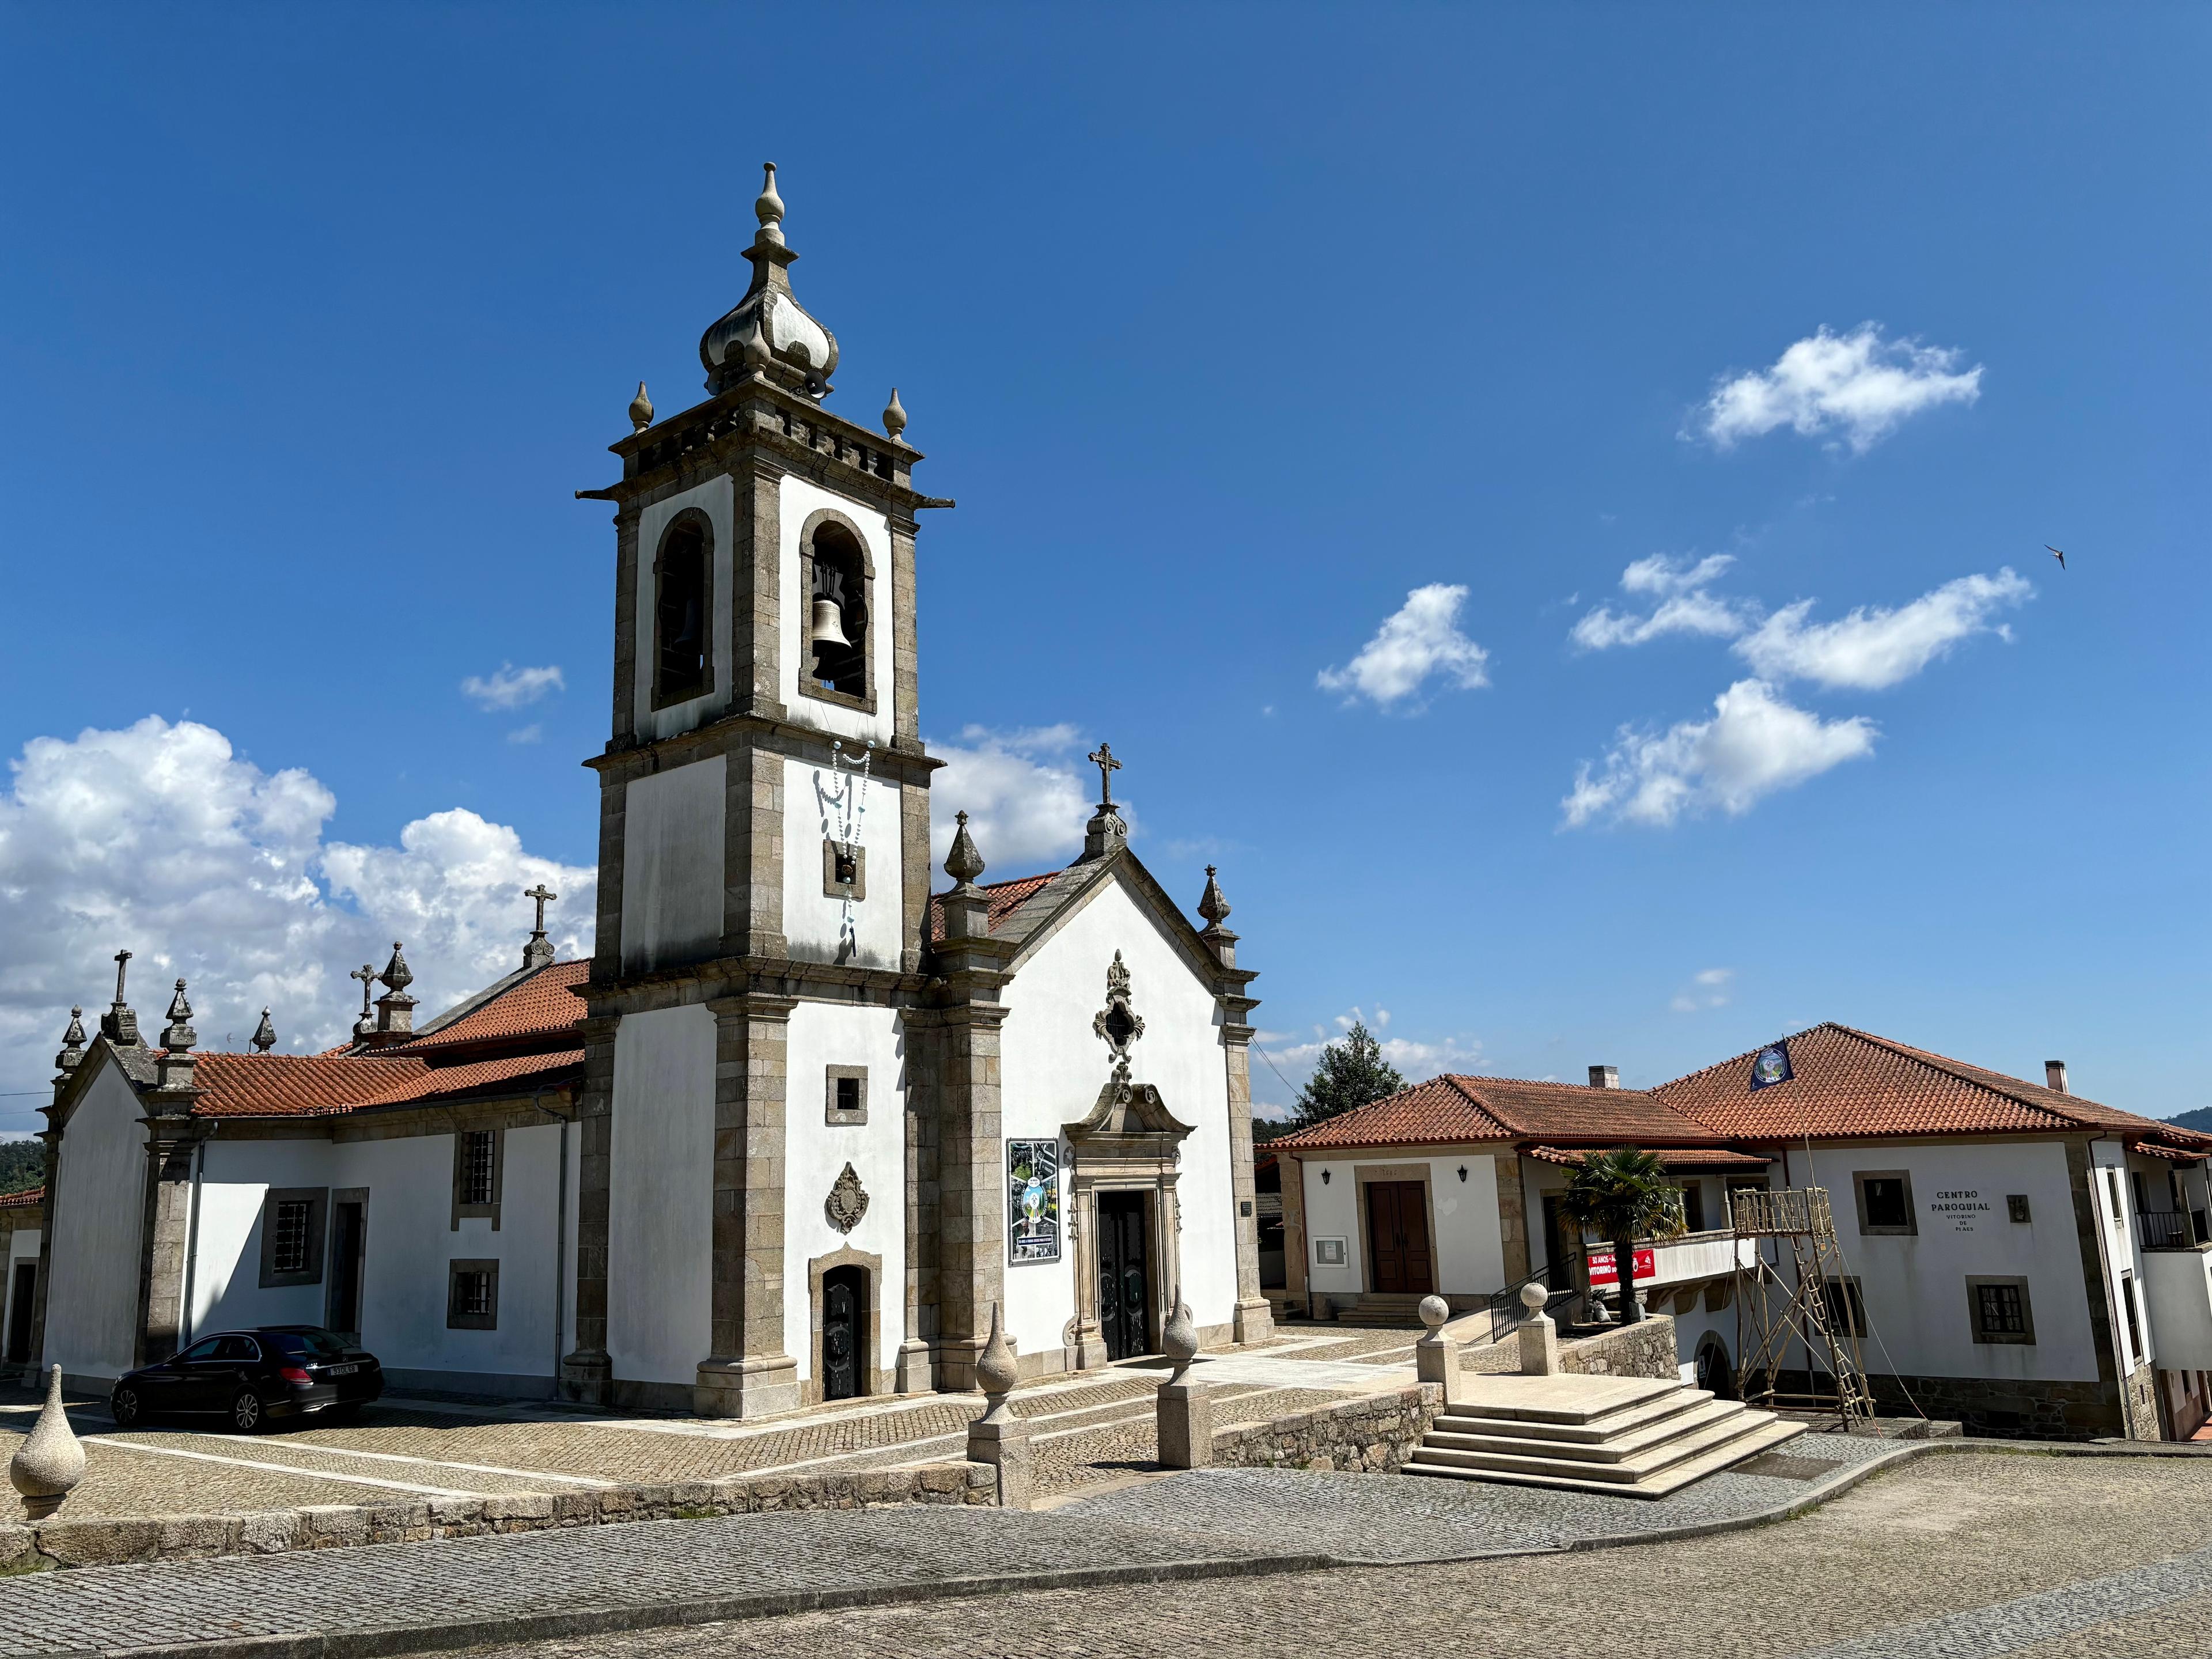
(800, 1125)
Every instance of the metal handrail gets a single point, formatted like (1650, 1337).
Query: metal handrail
(1506, 1313)
(2170, 1229)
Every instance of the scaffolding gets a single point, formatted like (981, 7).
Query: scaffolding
(1791, 1292)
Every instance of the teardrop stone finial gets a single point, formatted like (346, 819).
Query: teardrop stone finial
(996, 1369)
(894, 415)
(640, 410)
(265, 1035)
(1179, 1337)
(50, 1462)
(397, 973)
(963, 863)
(1211, 903)
(768, 207)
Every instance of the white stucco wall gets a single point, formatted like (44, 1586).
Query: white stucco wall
(813, 922)
(1467, 1246)
(660, 1197)
(92, 1301)
(799, 499)
(410, 1240)
(824, 1035)
(1053, 1068)
(1914, 1286)
(673, 864)
(2178, 1290)
(716, 498)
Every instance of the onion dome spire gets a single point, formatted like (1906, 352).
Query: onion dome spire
(769, 332)
(72, 1054)
(265, 1035)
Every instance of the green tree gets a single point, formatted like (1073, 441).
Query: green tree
(1621, 1196)
(1352, 1072)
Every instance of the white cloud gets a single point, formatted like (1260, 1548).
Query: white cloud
(1754, 745)
(512, 687)
(1708, 988)
(1415, 1061)
(532, 733)
(1684, 606)
(1421, 638)
(1858, 383)
(1871, 649)
(1026, 801)
(159, 840)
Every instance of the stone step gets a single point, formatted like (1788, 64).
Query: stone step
(1543, 1458)
(1762, 1436)
(1479, 1418)
(1570, 1400)
(1621, 1449)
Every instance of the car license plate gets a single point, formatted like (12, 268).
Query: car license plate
(342, 1371)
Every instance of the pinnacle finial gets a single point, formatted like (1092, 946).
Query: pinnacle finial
(265, 1035)
(767, 206)
(72, 1043)
(397, 973)
(640, 410)
(177, 1034)
(1211, 903)
(894, 415)
(963, 863)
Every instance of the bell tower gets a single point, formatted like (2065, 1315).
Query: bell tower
(764, 807)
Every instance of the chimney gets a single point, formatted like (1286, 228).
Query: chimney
(1605, 1077)
(2054, 1076)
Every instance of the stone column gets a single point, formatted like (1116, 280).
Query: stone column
(971, 1213)
(752, 852)
(1083, 1238)
(755, 627)
(750, 1373)
(1254, 1318)
(167, 1237)
(916, 1373)
(588, 1372)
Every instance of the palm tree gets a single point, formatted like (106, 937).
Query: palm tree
(1624, 1195)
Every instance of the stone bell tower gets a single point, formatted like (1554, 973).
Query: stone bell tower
(764, 812)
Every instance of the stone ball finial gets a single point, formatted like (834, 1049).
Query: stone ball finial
(894, 415)
(640, 410)
(1533, 1296)
(1434, 1311)
(50, 1462)
(767, 206)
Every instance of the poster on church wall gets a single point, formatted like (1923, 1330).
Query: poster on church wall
(1032, 1200)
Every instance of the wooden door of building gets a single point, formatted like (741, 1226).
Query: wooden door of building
(1398, 1238)
(844, 1290)
(19, 1312)
(1125, 1287)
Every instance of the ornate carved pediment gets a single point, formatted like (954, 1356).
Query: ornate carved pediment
(1119, 1023)
(1128, 1114)
(847, 1202)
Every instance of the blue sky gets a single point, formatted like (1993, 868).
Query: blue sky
(1229, 330)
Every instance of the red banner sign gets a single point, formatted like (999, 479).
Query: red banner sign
(1601, 1267)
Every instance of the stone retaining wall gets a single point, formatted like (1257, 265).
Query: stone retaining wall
(1371, 1436)
(103, 1542)
(1644, 1349)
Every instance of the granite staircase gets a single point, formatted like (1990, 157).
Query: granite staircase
(1631, 1436)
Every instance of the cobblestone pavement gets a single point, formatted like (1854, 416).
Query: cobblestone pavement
(1959, 1555)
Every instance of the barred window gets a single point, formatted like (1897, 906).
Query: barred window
(290, 1251)
(472, 1293)
(1998, 1308)
(477, 1166)
(472, 1296)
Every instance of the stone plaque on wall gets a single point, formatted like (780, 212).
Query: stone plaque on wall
(1032, 1200)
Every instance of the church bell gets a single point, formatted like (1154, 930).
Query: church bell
(828, 623)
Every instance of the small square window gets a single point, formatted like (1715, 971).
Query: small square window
(844, 870)
(290, 1252)
(845, 1095)
(2000, 1310)
(2016, 1205)
(472, 1296)
(292, 1236)
(1885, 1199)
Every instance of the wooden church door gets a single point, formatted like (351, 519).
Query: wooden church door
(1125, 1289)
(842, 1289)
(1398, 1238)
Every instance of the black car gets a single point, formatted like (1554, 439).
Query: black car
(249, 1377)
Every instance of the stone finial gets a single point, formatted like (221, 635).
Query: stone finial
(640, 410)
(538, 952)
(72, 1054)
(395, 1009)
(265, 1035)
(1179, 1338)
(1434, 1311)
(894, 415)
(397, 975)
(768, 207)
(120, 1026)
(996, 1369)
(769, 332)
(177, 1035)
(1533, 1296)
(963, 863)
(50, 1462)
(367, 975)
(1211, 903)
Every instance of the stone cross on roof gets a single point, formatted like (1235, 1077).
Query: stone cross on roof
(367, 975)
(537, 953)
(1103, 758)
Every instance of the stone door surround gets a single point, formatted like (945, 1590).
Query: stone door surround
(874, 1380)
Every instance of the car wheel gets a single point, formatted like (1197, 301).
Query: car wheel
(123, 1404)
(245, 1412)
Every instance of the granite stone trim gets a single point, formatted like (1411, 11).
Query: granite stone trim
(808, 686)
(112, 1540)
(713, 673)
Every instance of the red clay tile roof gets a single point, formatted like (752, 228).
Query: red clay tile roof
(1490, 1108)
(1670, 1157)
(29, 1198)
(447, 1080)
(1006, 897)
(2154, 1150)
(1846, 1085)
(540, 1004)
(294, 1085)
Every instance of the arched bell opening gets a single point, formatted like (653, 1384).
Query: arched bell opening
(683, 611)
(837, 610)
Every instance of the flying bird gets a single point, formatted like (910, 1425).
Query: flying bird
(2056, 554)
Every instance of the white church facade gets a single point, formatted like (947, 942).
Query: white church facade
(798, 1126)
